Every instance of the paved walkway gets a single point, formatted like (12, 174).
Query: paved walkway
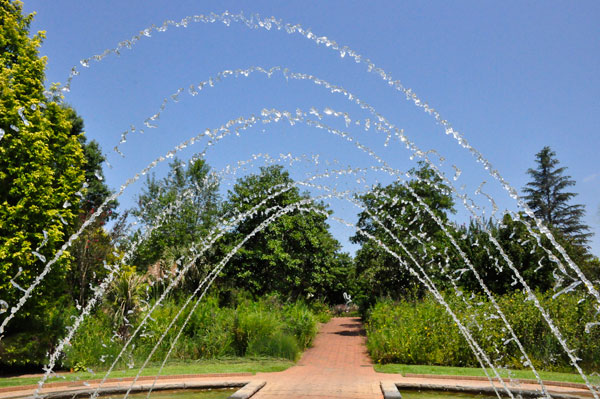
(337, 366)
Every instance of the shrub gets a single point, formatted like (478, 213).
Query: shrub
(94, 343)
(277, 344)
(421, 332)
(264, 327)
(300, 322)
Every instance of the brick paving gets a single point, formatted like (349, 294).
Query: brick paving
(337, 366)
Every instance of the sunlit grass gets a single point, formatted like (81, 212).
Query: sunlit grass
(470, 371)
(227, 365)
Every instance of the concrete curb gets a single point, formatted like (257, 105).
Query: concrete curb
(73, 384)
(247, 389)
(526, 393)
(390, 390)
(478, 378)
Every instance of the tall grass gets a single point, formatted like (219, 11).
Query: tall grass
(250, 328)
(421, 332)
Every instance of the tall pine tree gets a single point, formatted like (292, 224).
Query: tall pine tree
(548, 197)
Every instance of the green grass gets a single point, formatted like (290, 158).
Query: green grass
(469, 371)
(227, 365)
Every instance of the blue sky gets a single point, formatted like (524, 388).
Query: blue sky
(511, 76)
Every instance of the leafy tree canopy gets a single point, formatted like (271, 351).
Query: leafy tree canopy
(296, 255)
(394, 216)
(41, 165)
(95, 245)
(188, 202)
(517, 243)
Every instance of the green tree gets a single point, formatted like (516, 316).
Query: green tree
(41, 166)
(517, 243)
(95, 245)
(123, 298)
(546, 195)
(41, 175)
(192, 193)
(395, 209)
(296, 255)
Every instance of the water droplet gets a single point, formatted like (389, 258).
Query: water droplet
(62, 220)
(17, 286)
(21, 113)
(588, 326)
(39, 256)
(458, 172)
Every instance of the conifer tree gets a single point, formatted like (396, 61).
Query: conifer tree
(548, 197)
(41, 170)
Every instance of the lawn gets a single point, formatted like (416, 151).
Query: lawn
(227, 365)
(469, 371)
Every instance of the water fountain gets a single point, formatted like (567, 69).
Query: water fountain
(342, 125)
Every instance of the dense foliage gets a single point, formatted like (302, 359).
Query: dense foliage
(41, 168)
(422, 332)
(51, 182)
(395, 217)
(266, 327)
(188, 205)
(296, 255)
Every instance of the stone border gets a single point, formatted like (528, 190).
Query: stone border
(390, 390)
(80, 383)
(248, 388)
(526, 393)
(481, 378)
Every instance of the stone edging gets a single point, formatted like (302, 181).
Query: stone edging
(247, 389)
(72, 384)
(526, 393)
(390, 390)
(479, 378)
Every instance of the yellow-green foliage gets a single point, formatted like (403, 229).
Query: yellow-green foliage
(40, 163)
(423, 333)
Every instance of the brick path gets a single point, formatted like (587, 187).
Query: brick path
(337, 366)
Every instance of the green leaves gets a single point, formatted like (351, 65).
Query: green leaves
(296, 255)
(191, 194)
(394, 215)
(40, 165)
